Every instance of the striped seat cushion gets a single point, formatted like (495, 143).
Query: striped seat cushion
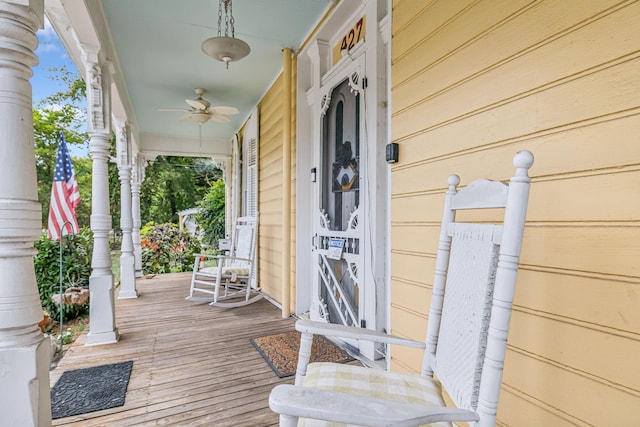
(373, 383)
(238, 271)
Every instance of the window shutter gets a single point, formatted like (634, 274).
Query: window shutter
(252, 177)
(250, 166)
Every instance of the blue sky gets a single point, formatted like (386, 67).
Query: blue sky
(52, 54)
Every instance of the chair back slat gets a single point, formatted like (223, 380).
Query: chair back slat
(481, 194)
(466, 310)
(244, 240)
(473, 290)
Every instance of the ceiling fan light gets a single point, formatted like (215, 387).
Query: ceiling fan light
(226, 49)
(199, 117)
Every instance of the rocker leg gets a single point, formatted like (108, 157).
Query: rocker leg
(288, 421)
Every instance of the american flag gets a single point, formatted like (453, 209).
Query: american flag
(65, 196)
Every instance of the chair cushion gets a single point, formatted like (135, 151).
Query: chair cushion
(370, 382)
(238, 271)
(209, 270)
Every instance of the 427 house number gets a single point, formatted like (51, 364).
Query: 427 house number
(354, 35)
(350, 39)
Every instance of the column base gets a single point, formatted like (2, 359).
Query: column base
(127, 294)
(102, 338)
(25, 397)
(102, 313)
(127, 277)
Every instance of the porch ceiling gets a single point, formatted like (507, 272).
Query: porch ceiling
(154, 46)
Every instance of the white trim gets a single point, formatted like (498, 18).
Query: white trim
(385, 33)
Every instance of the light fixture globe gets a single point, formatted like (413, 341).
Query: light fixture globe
(226, 49)
(199, 117)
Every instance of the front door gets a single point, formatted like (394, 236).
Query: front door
(338, 234)
(342, 205)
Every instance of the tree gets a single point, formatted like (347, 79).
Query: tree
(212, 213)
(64, 110)
(173, 184)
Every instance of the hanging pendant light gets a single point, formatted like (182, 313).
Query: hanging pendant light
(226, 48)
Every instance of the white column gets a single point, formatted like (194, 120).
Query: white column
(138, 176)
(24, 353)
(225, 165)
(127, 259)
(102, 315)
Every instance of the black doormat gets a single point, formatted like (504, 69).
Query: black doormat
(90, 389)
(281, 351)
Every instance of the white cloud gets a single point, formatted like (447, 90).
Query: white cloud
(48, 41)
(47, 48)
(48, 32)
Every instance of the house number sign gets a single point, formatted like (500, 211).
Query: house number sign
(350, 39)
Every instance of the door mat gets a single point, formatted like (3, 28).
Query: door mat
(90, 389)
(281, 351)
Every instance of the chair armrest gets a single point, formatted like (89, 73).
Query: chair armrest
(206, 256)
(221, 257)
(330, 329)
(234, 258)
(367, 411)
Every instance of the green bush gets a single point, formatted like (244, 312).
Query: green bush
(166, 249)
(212, 214)
(76, 269)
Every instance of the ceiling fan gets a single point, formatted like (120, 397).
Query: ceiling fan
(201, 110)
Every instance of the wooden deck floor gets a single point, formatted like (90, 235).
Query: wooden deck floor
(193, 364)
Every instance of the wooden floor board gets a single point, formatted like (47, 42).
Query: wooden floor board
(193, 364)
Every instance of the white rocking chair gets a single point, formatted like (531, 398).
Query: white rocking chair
(473, 289)
(226, 280)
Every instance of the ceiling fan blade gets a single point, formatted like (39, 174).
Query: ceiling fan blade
(171, 109)
(222, 109)
(198, 104)
(219, 118)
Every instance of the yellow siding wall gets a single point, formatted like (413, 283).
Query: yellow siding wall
(270, 191)
(472, 83)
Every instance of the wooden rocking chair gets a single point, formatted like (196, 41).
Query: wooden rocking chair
(473, 289)
(226, 280)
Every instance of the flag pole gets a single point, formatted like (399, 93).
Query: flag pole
(60, 277)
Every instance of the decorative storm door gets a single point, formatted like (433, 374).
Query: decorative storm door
(338, 239)
(342, 211)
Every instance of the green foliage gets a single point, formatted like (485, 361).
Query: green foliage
(212, 214)
(166, 249)
(173, 184)
(64, 110)
(76, 89)
(114, 187)
(83, 168)
(76, 269)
